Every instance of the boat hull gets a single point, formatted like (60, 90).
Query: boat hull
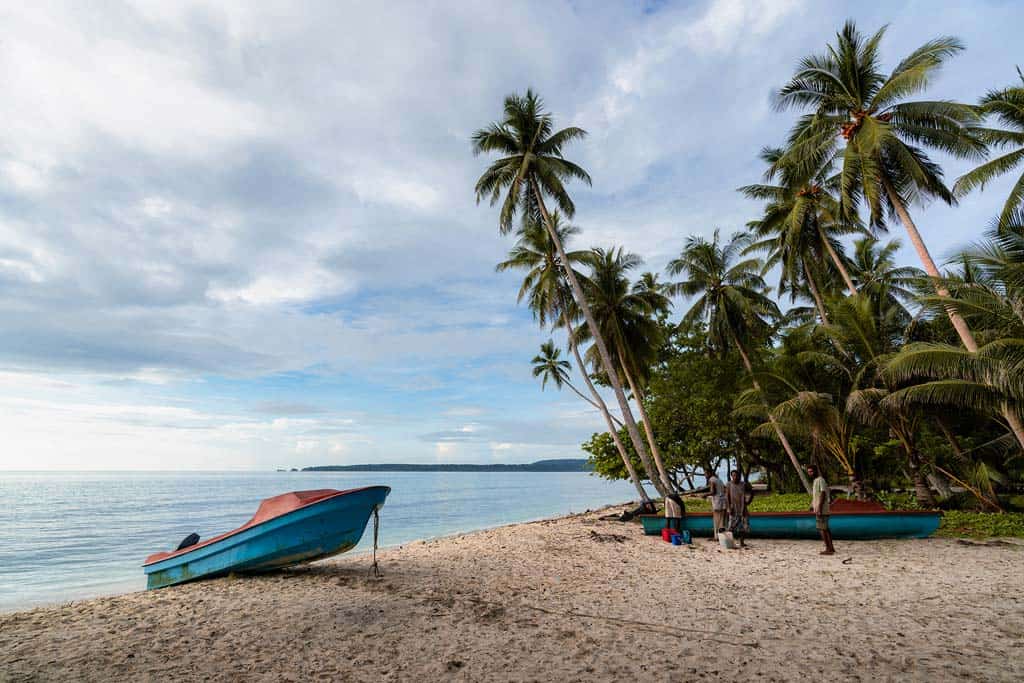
(313, 532)
(844, 526)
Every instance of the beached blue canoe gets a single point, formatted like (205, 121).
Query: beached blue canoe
(289, 529)
(863, 524)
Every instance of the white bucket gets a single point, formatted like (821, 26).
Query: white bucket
(725, 539)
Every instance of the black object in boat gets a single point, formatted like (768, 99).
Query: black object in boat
(189, 541)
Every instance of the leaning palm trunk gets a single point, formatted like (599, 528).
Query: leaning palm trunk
(655, 451)
(602, 348)
(840, 266)
(1012, 419)
(771, 418)
(961, 456)
(975, 491)
(599, 403)
(929, 265)
(819, 303)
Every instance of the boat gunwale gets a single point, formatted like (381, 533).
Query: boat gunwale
(234, 532)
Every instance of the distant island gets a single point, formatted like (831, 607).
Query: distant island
(561, 465)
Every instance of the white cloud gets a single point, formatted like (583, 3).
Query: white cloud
(732, 24)
(247, 191)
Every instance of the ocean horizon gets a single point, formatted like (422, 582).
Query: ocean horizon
(68, 536)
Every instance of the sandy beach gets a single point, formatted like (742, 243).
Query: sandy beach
(570, 599)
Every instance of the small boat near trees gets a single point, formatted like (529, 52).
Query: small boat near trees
(849, 520)
(289, 529)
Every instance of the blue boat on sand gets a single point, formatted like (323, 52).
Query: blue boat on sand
(286, 530)
(849, 520)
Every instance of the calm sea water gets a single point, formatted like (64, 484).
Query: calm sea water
(66, 536)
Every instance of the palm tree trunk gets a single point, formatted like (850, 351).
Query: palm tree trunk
(922, 492)
(771, 418)
(655, 451)
(580, 394)
(954, 443)
(688, 477)
(976, 492)
(819, 302)
(602, 348)
(816, 293)
(1012, 419)
(840, 266)
(929, 265)
(599, 403)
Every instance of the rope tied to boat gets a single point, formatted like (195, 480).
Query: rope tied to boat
(376, 528)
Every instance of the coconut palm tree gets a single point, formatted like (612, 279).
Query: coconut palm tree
(879, 278)
(531, 167)
(990, 380)
(731, 302)
(545, 288)
(814, 415)
(648, 282)
(801, 224)
(883, 161)
(626, 318)
(544, 284)
(549, 365)
(1007, 106)
(873, 331)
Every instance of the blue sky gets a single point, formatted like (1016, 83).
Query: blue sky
(245, 237)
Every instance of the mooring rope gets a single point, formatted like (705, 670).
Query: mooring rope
(376, 526)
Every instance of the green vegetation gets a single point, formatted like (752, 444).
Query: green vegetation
(887, 376)
(775, 502)
(964, 523)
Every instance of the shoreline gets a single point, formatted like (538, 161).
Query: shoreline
(569, 597)
(138, 585)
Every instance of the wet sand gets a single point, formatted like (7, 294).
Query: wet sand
(570, 599)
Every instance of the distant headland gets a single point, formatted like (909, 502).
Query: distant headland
(559, 465)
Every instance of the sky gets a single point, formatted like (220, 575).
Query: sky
(242, 235)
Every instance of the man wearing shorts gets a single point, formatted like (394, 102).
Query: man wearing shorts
(716, 491)
(821, 505)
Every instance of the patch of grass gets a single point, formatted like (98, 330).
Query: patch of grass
(771, 502)
(960, 523)
(781, 502)
(897, 501)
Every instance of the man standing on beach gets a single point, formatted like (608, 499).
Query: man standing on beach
(738, 495)
(716, 491)
(821, 505)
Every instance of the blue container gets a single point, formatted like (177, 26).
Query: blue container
(677, 539)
